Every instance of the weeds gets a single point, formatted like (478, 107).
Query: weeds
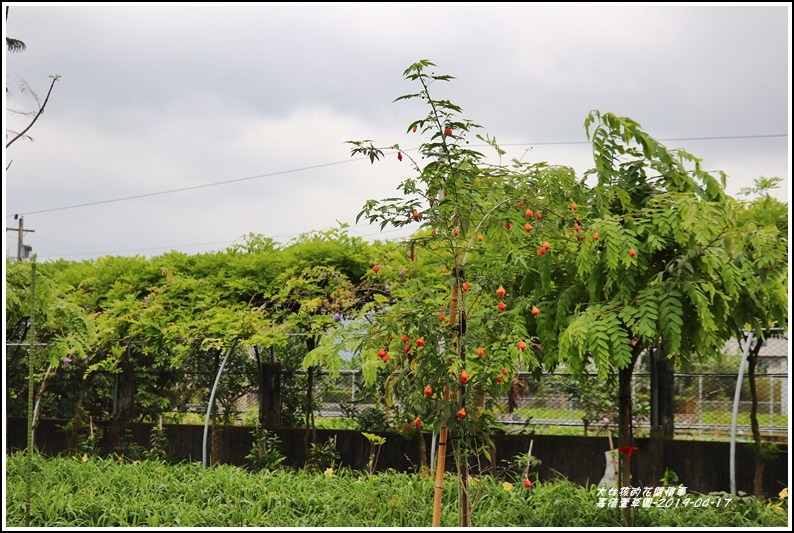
(375, 442)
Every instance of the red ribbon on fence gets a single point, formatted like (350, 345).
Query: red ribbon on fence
(629, 450)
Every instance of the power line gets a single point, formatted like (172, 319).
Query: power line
(99, 202)
(720, 138)
(322, 165)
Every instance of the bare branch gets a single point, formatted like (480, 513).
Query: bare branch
(41, 110)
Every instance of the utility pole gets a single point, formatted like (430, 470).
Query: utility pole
(20, 233)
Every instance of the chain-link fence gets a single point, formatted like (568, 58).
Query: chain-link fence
(703, 402)
(556, 403)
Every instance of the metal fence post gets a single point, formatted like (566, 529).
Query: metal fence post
(771, 402)
(700, 404)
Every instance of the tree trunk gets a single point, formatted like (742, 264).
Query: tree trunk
(626, 426)
(125, 396)
(752, 363)
(464, 502)
(39, 396)
(124, 401)
(310, 437)
(624, 413)
(77, 422)
(269, 394)
(662, 409)
(422, 451)
(758, 478)
(492, 451)
(665, 370)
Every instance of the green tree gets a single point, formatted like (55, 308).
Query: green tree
(763, 302)
(656, 267)
(65, 335)
(447, 305)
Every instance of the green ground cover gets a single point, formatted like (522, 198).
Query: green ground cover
(113, 492)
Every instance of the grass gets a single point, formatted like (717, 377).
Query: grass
(113, 492)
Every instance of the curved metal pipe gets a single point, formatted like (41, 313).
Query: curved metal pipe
(212, 400)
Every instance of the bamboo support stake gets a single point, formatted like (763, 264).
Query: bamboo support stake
(440, 460)
(443, 432)
(611, 453)
(529, 457)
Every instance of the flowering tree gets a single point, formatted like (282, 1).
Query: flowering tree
(449, 335)
(528, 267)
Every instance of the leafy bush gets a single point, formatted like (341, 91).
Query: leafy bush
(370, 418)
(265, 451)
(323, 455)
(159, 444)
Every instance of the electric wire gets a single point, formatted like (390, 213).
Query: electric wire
(324, 165)
(352, 160)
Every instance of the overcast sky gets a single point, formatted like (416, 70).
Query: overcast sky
(244, 110)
